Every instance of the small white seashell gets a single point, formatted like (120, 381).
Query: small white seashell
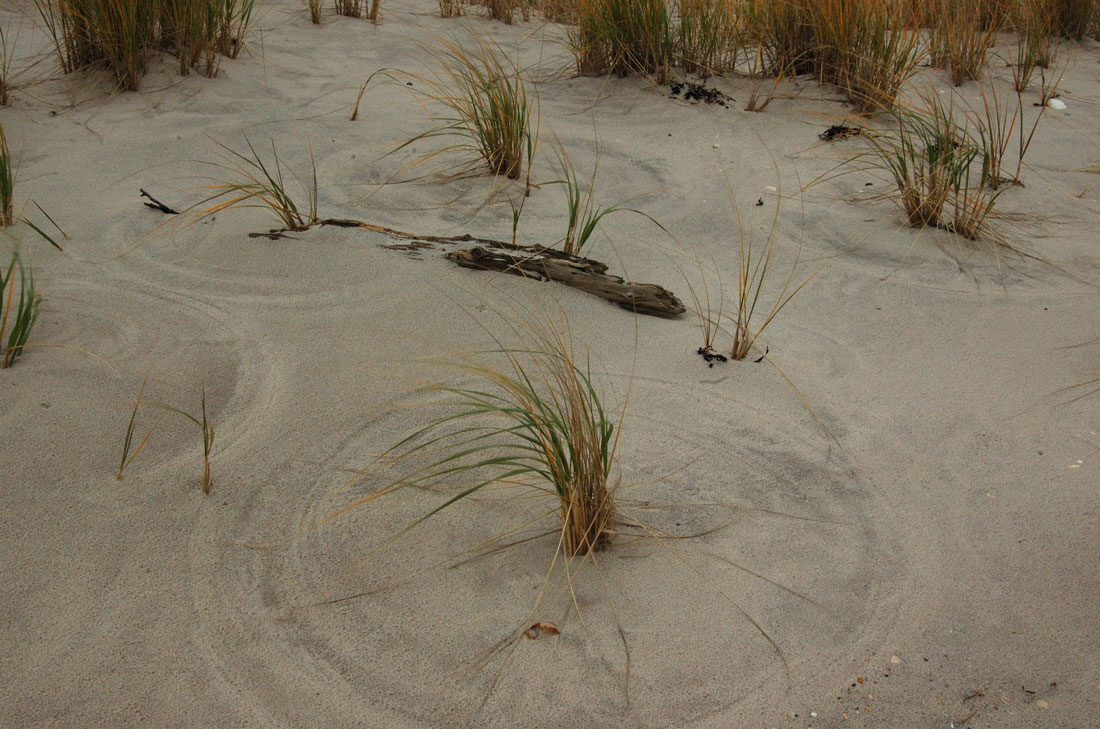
(1056, 104)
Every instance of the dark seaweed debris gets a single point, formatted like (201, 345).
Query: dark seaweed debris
(710, 356)
(699, 92)
(839, 131)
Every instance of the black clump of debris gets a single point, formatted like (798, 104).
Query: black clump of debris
(839, 131)
(710, 356)
(699, 92)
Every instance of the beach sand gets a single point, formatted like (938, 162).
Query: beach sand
(899, 509)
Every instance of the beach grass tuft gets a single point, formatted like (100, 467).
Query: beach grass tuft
(487, 106)
(930, 155)
(261, 184)
(709, 36)
(1075, 18)
(350, 8)
(755, 265)
(18, 314)
(961, 34)
(122, 35)
(583, 214)
(623, 37)
(927, 156)
(534, 419)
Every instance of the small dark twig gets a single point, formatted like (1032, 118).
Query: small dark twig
(157, 204)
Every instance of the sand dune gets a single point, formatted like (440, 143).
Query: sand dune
(908, 498)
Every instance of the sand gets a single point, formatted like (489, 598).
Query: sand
(907, 493)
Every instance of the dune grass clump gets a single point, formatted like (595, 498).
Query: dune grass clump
(623, 37)
(20, 313)
(314, 7)
(867, 48)
(534, 420)
(1035, 43)
(261, 184)
(488, 106)
(350, 8)
(961, 34)
(709, 36)
(505, 10)
(122, 35)
(783, 32)
(929, 157)
(755, 264)
(450, 8)
(1075, 18)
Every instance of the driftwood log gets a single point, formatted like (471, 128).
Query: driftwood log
(541, 264)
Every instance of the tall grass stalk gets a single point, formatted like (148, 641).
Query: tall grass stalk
(505, 10)
(994, 126)
(7, 183)
(314, 7)
(783, 31)
(232, 20)
(756, 101)
(207, 429)
(20, 312)
(6, 58)
(536, 419)
(866, 47)
(185, 27)
(971, 207)
(1048, 89)
(1035, 43)
(450, 8)
(128, 440)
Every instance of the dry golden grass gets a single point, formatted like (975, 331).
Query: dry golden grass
(623, 37)
(534, 419)
(121, 35)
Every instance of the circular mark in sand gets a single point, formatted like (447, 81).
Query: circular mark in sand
(781, 576)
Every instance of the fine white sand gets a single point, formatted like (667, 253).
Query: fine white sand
(908, 497)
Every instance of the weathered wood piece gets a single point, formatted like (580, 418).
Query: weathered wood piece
(543, 264)
(580, 273)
